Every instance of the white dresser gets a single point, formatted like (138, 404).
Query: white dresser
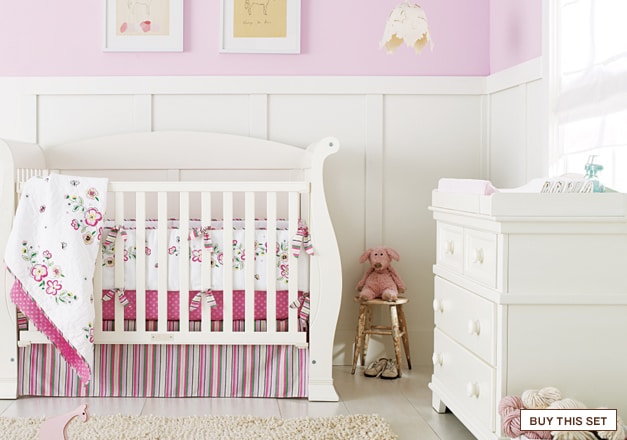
(530, 291)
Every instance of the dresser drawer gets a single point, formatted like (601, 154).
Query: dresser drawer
(480, 256)
(450, 251)
(467, 318)
(467, 379)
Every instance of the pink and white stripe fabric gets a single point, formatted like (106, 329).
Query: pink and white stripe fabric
(270, 371)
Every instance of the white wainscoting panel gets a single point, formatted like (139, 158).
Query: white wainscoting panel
(203, 112)
(426, 138)
(63, 118)
(517, 125)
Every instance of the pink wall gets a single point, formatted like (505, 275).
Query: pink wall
(515, 32)
(339, 37)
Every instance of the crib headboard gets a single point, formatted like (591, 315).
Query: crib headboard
(184, 150)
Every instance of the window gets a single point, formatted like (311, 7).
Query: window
(590, 85)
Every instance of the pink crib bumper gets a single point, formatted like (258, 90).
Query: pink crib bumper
(217, 312)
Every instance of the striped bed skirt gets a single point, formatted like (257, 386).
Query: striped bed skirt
(271, 371)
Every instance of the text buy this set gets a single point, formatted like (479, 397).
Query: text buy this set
(211, 262)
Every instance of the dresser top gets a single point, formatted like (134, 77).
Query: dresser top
(520, 204)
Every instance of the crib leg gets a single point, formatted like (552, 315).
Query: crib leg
(8, 351)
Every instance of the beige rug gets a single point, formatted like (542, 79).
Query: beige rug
(120, 427)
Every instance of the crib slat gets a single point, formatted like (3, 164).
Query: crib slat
(294, 214)
(184, 262)
(207, 255)
(140, 264)
(249, 264)
(227, 262)
(271, 267)
(119, 259)
(162, 261)
(97, 292)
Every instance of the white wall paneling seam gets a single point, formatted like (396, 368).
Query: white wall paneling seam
(374, 179)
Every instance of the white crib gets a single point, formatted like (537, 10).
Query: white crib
(195, 177)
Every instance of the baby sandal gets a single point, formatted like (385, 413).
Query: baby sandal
(376, 368)
(390, 371)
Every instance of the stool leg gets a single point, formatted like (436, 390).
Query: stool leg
(366, 333)
(396, 337)
(359, 335)
(404, 335)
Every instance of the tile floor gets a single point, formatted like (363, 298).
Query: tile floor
(405, 403)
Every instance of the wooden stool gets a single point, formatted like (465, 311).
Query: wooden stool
(398, 329)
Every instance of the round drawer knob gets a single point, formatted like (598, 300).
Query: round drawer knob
(472, 389)
(478, 256)
(437, 306)
(437, 359)
(474, 327)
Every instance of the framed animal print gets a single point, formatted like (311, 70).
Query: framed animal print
(260, 26)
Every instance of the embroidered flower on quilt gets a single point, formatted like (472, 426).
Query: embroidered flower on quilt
(88, 238)
(56, 271)
(92, 217)
(53, 287)
(92, 193)
(47, 273)
(89, 332)
(39, 272)
(65, 297)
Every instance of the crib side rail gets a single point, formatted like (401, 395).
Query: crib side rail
(180, 197)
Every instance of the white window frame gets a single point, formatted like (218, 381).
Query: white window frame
(551, 74)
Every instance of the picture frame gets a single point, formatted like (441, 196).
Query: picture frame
(260, 26)
(143, 25)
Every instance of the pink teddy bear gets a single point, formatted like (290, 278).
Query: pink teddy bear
(380, 280)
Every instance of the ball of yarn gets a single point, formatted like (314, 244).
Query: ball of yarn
(567, 404)
(541, 435)
(573, 435)
(619, 434)
(510, 423)
(540, 399)
(509, 403)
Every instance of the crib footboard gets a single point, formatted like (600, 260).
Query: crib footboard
(207, 264)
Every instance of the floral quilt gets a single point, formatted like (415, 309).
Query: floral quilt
(52, 252)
